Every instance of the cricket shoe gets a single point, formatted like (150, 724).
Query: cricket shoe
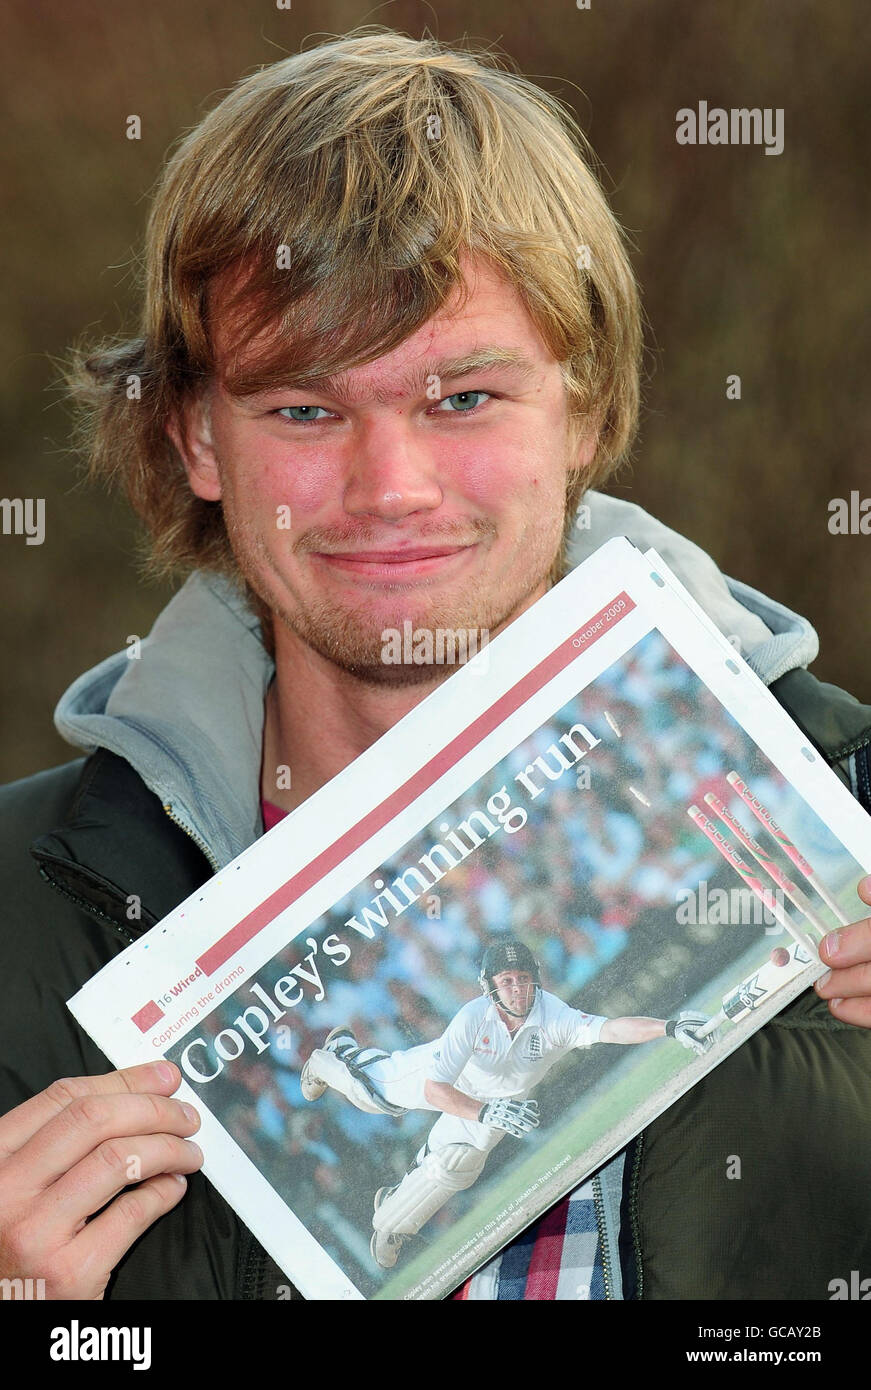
(385, 1248)
(311, 1085)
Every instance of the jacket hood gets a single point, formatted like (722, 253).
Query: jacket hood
(188, 714)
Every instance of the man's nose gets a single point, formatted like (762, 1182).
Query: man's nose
(392, 472)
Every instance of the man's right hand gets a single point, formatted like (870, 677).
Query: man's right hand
(71, 1152)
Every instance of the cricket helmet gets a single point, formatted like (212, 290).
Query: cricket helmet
(508, 954)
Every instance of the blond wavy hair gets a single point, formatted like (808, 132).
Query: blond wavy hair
(379, 161)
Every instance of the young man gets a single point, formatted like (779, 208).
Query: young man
(390, 341)
(478, 1074)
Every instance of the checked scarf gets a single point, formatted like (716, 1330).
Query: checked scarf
(558, 1257)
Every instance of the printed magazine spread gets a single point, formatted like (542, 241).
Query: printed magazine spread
(609, 812)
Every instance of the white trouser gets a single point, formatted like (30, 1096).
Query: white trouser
(401, 1076)
(451, 1160)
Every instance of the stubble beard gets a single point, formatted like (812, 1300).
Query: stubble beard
(348, 638)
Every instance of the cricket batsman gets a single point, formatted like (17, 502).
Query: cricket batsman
(478, 1074)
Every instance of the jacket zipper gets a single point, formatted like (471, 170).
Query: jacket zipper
(633, 1215)
(253, 1276)
(192, 835)
(603, 1243)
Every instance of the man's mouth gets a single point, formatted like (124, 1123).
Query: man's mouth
(405, 562)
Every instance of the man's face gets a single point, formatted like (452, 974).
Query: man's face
(515, 989)
(413, 488)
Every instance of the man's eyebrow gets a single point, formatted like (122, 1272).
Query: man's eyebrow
(445, 369)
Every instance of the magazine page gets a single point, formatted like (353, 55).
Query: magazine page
(465, 972)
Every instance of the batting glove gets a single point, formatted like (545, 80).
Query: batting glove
(683, 1030)
(517, 1117)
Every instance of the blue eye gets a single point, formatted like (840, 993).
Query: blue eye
(302, 418)
(469, 401)
(459, 403)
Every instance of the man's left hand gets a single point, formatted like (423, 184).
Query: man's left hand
(847, 951)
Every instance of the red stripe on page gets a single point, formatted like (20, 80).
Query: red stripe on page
(282, 898)
(147, 1016)
(542, 1276)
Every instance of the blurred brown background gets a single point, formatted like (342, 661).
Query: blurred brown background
(749, 263)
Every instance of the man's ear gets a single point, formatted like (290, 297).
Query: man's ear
(584, 443)
(585, 453)
(191, 432)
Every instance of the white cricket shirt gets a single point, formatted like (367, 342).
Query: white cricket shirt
(477, 1054)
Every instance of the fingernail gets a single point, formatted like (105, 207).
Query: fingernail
(835, 1003)
(196, 1148)
(180, 1177)
(823, 980)
(190, 1112)
(832, 943)
(165, 1071)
